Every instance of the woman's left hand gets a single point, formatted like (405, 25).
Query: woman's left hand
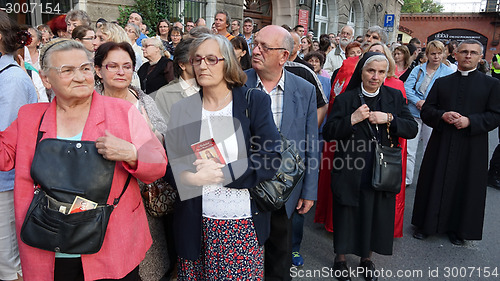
(377, 117)
(116, 149)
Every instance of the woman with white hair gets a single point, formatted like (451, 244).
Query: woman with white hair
(363, 218)
(159, 70)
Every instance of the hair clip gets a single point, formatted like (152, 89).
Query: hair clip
(24, 38)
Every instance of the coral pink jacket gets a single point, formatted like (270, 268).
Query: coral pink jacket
(127, 238)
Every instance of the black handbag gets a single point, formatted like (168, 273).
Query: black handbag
(62, 170)
(387, 164)
(271, 195)
(46, 228)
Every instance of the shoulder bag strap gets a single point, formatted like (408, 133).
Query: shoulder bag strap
(115, 202)
(248, 98)
(7, 67)
(418, 78)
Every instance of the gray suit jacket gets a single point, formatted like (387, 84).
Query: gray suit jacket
(299, 124)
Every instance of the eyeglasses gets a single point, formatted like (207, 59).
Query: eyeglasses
(89, 38)
(472, 53)
(114, 67)
(209, 60)
(69, 71)
(264, 48)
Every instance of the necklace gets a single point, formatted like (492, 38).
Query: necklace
(222, 103)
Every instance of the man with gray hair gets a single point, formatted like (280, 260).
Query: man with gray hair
(76, 18)
(451, 190)
(293, 103)
(335, 58)
(376, 34)
(222, 22)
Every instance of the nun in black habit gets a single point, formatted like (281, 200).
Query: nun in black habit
(363, 218)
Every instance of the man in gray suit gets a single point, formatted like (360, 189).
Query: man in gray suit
(293, 102)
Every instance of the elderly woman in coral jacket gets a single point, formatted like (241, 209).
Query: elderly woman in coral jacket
(120, 134)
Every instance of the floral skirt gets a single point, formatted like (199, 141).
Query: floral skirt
(230, 251)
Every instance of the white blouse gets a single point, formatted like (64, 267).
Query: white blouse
(221, 202)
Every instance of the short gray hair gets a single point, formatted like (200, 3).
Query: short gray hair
(78, 15)
(380, 31)
(288, 42)
(56, 45)
(135, 28)
(247, 19)
(350, 27)
(224, 12)
(472, 41)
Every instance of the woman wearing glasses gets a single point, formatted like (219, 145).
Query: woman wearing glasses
(114, 66)
(219, 232)
(121, 135)
(159, 70)
(85, 35)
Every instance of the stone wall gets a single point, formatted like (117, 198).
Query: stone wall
(107, 9)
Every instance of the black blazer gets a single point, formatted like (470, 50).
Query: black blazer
(257, 161)
(159, 76)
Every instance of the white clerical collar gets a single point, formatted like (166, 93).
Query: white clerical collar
(370, 95)
(465, 72)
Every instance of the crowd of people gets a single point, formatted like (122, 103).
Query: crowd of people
(141, 99)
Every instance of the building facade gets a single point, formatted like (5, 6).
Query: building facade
(322, 16)
(484, 27)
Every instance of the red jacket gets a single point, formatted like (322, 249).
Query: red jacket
(127, 238)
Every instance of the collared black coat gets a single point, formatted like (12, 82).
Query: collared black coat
(451, 188)
(353, 142)
(161, 75)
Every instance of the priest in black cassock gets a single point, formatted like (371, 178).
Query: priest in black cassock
(451, 190)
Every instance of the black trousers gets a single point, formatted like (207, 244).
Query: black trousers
(71, 269)
(278, 248)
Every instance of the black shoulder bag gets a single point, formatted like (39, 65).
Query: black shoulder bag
(387, 163)
(271, 195)
(62, 170)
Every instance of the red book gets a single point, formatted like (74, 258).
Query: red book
(208, 150)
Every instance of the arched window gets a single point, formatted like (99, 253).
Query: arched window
(321, 18)
(355, 17)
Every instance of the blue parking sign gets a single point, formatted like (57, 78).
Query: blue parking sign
(389, 20)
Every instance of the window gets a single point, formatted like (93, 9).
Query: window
(321, 18)
(352, 16)
(183, 10)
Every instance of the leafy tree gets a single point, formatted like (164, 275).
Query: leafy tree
(421, 6)
(429, 6)
(152, 11)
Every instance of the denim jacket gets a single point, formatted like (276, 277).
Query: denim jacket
(412, 85)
